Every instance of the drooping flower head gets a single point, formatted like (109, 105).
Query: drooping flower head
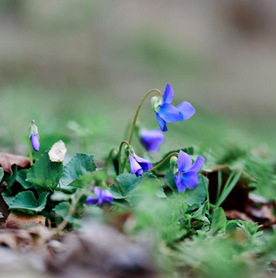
(151, 139)
(103, 196)
(137, 164)
(166, 112)
(186, 176)
(34, 137)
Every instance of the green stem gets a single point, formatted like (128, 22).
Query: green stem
(207, 192)
(124, 164)
(72, 210)
(138, 109)
(129, 125)
(119, 155)
(107, 162)
(31, 153)
(163, 161)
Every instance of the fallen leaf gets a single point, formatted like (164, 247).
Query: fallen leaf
(261, 210)
(18, 220)
(57, 152)
(235, 214)
(7, 160)
(4, 212)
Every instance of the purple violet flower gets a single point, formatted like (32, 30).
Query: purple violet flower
(187, 171)
(152, 139)
(102, 196)
(166, 112)
(138, 165)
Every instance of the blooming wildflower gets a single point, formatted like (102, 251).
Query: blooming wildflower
(166, 112)
(102, 196)
(187, 171)
(34, 137)
(138, 165)
(152, 139)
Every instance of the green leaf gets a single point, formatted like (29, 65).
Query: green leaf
(62, 209)
(45, 173)
(116, 193)
(229, 185)
(21, 177)
(8, 178)
(1, 173)
(27, 201)
(160, 193)
(197, 195)
(7, 198)
(128, 183)
(200, 214)
(169, 181)
(77, 172)
(166, 165)
(218, 221)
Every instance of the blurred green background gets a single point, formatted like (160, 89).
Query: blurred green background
(79, 68)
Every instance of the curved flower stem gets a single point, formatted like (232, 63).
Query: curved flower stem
(163, 161)
(127, 130)
(119, 155)
(138, 110)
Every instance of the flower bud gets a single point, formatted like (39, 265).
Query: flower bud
(34, 137)
(114, 154)
(173, 165)
(156, 102)
(129, 151)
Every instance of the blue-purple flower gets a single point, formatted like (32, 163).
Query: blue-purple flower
(187, 171)
(152, 139)
(166, 112)
(138, 165)
(34, 137)
(103, 196)
(35, 142)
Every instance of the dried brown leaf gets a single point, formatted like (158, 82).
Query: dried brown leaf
(18, 220)
(261, 210)
(4, 212)
(235, 214)
(7, 160)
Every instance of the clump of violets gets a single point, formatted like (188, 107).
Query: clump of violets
(103, 196)
(34, 137)
(151, 139)
(166, 112)
(186, 172)
(137, 164)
